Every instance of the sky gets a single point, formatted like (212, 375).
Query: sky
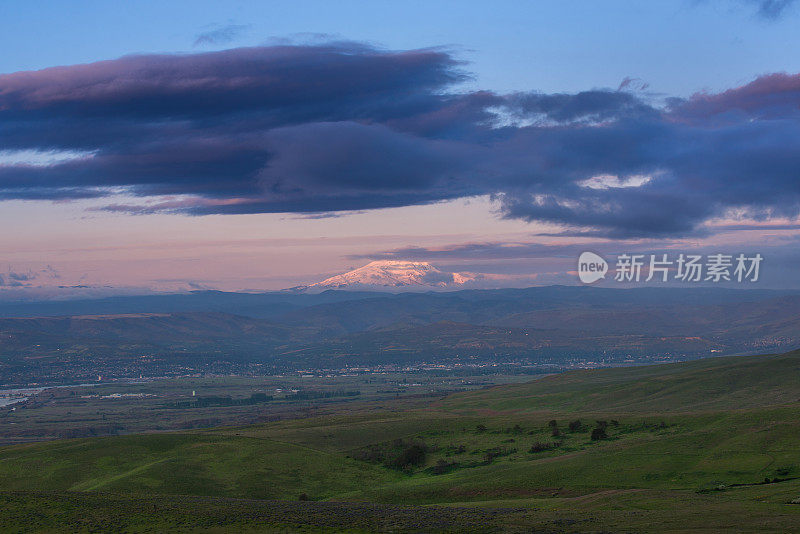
(162, 146)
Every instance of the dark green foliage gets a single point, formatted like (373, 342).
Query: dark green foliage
(554, 430)
(442, 467)
(599, 433)
(541, 446)
(412, 455)
(374, 454)
(496, 452)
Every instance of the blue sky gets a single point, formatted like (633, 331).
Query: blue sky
(678, 47)
(141, 184)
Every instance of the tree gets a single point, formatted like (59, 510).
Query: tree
(412, 456)
(554, 431)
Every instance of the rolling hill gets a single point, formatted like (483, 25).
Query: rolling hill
(720, 432)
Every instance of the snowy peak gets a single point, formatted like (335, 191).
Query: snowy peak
(395, 274)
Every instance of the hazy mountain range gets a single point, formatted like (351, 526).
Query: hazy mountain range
(336, 328)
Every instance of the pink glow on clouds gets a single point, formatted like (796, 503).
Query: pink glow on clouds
(769, 95)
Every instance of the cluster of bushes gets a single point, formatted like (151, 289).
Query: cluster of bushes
(413, 455)
(400, 454)
(540, 446)
(496, 452)
(406, 455)
(455, 449)
(442, 467)
(576, 426)
(598, 432)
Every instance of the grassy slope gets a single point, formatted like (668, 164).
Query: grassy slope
(199, 464)
(712, 384)
(725, 421)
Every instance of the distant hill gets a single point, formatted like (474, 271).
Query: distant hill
(553, 324)
(245, 304)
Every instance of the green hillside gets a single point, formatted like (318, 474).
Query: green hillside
(614, 449)
(199, 464)
(728, 383)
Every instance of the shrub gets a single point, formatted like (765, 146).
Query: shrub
(540, 446)
(575, 426)
(442, 467)
(490, 454)
(374, 454)
(599, 433)
(412, 456)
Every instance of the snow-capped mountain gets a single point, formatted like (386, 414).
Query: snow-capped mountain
(395, 274)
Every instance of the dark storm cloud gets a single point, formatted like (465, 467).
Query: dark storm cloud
(588, 106)
(344, 127)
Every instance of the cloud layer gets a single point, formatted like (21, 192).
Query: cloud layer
(345, 126)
